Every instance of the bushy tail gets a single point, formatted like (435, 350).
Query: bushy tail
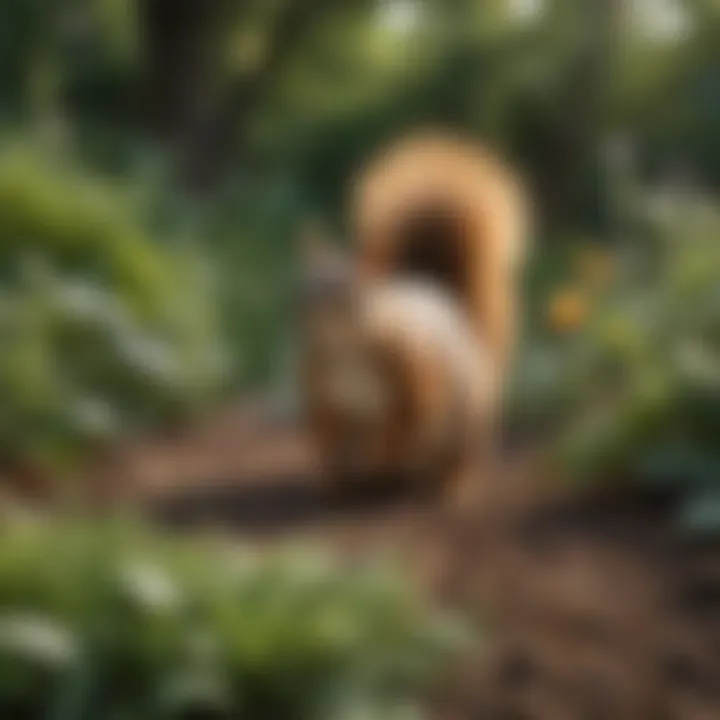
(449, 211)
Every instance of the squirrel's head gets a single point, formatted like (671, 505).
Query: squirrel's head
(329, 301)
(327, 272)
(333, 325)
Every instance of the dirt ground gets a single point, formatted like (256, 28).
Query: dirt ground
(594, 609)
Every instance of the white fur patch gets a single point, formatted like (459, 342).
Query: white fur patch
(431, 322)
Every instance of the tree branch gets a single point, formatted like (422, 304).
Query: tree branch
(289, 30)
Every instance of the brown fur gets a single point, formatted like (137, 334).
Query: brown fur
(450, 218)
(468, 210)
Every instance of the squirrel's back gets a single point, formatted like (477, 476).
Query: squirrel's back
(424, 321)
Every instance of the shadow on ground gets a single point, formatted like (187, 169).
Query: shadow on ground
(278, 504)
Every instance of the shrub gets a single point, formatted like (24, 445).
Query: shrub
(103, 327)
(634, 389)
(117, 622)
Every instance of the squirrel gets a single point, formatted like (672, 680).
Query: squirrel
(407, 341)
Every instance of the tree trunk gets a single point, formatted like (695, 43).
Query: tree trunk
(575, 181)
(179, 63)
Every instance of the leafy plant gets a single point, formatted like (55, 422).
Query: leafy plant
(634, 386)
(103, 326)
(110, 622)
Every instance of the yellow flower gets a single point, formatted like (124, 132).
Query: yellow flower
(567, 309)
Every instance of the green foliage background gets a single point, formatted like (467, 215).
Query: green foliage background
(156, 159)
(159, 155)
